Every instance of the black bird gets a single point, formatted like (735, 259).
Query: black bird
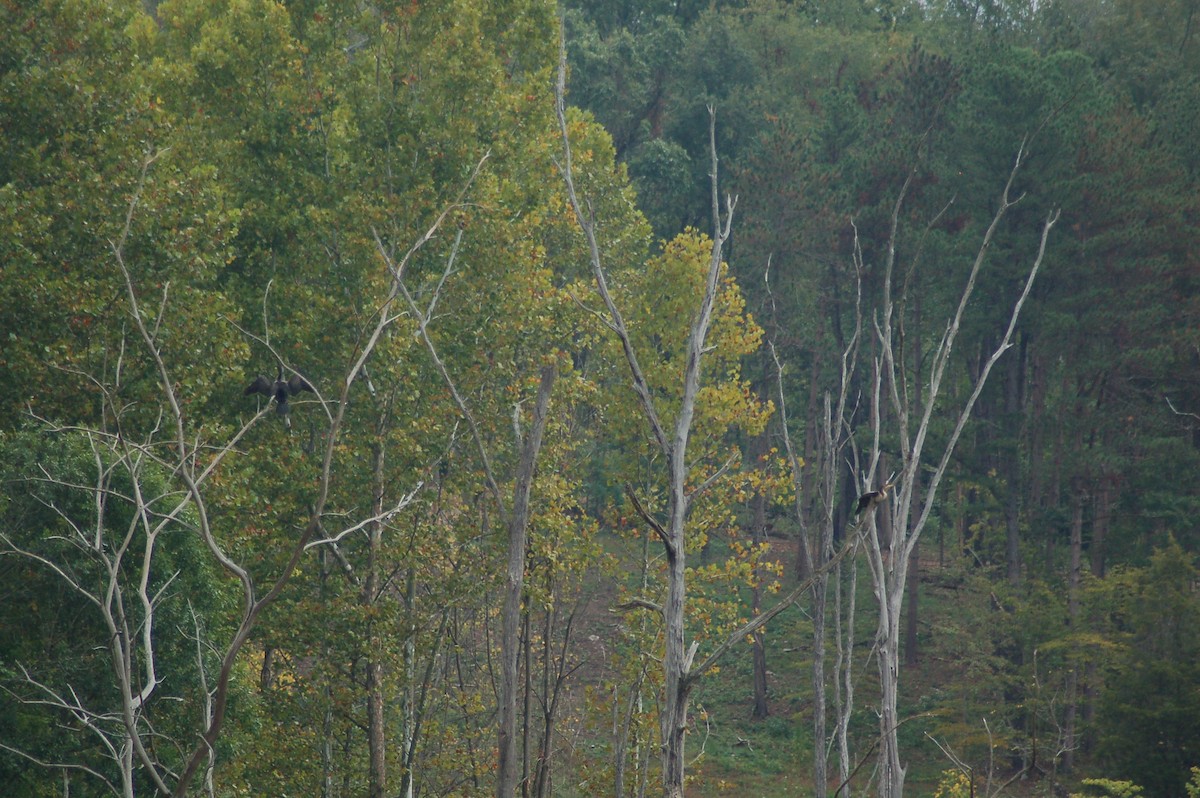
(279, 389)
(873, 498)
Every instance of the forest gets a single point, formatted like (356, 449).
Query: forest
(612, 398)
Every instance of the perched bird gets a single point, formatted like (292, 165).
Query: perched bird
(278, 389)
(873, 498)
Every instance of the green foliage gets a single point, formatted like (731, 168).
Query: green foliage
(269, 151)
(1148, 728)
(1108, 787)
(73, 541)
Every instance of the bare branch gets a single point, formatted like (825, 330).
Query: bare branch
(440, 365)
(649, 519)
(1177, 412)
(437, 291)
(592, 311)
(763, 618)
(616, 320)
(43, 763)
(67, 578)
(965, 414)
(382, 517)
(639, 603)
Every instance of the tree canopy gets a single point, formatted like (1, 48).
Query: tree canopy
(457, 558)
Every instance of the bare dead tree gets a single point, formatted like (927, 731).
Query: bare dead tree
(835, 436)
(913, 416)
(176, 446)
(680, 671)
(673, 443)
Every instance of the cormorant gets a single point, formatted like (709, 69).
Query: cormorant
(279, 389)
(873, 498)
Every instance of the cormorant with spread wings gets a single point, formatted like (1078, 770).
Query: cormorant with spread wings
(278, 389)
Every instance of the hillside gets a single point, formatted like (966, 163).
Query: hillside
(621, 398)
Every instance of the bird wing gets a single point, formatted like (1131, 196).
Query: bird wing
(297, 384)
(260, 385)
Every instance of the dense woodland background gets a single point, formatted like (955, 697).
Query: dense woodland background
(201, 596)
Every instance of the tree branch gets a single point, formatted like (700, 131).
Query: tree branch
(651, 520)
(640, 603)
(616, 321)
(1001, 348)
(763, 618)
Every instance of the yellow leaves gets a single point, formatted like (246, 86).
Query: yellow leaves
(953, 784)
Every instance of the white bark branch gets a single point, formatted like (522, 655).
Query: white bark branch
(382, 517)
(615, 320)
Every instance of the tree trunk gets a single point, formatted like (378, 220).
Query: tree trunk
(828, 491)
(1074, 579)
(676, 689)
(891, 776)
(626, 730)
(889, 570)
(911, 650)
(376, 742)
(327, 743)
(526, 704)
(820, 751)
(759, 654)
(518, 529)
(326, 690)
(550, 689)
(376, 732)
(843, 624)
(408, 708)
(1012, 465)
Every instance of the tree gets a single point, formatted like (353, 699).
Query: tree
(816, 549)
(1148, 717)
(912, 401)
(123, 441)
(670, 440)
(93, 581)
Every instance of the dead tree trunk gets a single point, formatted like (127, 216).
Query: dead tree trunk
(825, 444)
(677, 655)
(679, 674)
(516, 521)
(890, 575)
(843, 694)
